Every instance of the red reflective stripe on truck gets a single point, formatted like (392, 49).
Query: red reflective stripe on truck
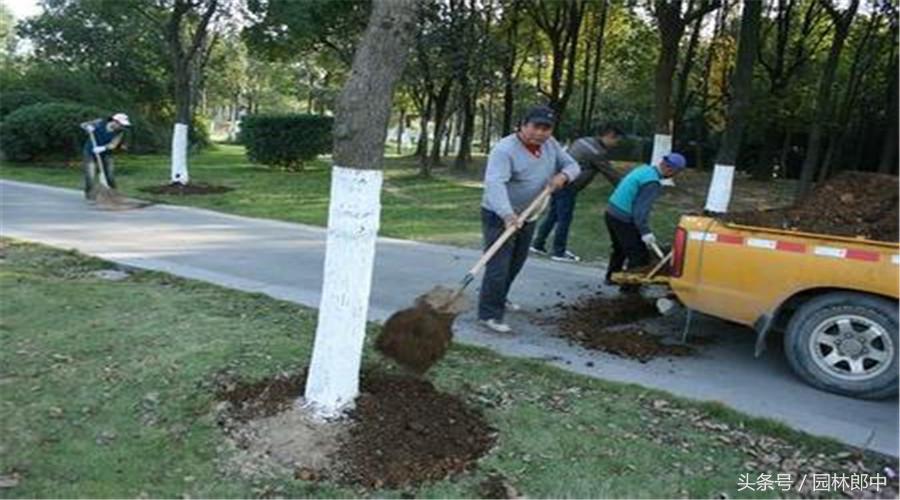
(862, 255)
(788, 246)
(733, 240)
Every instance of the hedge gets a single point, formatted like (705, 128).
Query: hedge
(285, 141)
(12, 101)
(46, 130)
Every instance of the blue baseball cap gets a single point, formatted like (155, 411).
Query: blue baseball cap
(543, 115)
(675, 161)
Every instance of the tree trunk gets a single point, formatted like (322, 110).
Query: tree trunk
(400, 129)
(179, 166)
(823, 102)
(681, 98)
(585, 88)
(509, 67)
(486, 145)
(888, 162)
(598, 54)
(361, 119)
(440, 122)
(466, 134)
(422, 143)
(742, 91)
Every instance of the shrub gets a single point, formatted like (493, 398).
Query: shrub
(11, 101)
(46, 130)
(285, 141)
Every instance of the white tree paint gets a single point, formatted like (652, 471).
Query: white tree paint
(179, 154)
(353, 218)
(719, 195)
(662, 145)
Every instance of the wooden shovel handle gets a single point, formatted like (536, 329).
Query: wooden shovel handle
(659, 266)
(509, 231)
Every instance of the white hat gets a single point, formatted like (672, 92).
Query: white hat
(122, 118)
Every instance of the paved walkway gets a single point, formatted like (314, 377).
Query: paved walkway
(284, 260)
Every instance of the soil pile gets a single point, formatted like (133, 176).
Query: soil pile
(855, 204)
(595, 323)
(191, 188)
(401, 433)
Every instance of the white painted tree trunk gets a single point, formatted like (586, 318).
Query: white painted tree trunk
(353, 218)
(662, 145)
(179, 154)
(719, 195)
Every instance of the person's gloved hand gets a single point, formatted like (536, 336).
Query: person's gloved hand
(88, 127)
(99, 149)
(649, 239)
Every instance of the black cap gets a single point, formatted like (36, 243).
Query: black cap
(543, 115)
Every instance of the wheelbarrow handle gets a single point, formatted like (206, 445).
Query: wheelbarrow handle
(495, 247)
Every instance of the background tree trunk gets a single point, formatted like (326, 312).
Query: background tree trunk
(824, 105)
(742, 90)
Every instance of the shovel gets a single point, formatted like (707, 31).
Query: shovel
(419, 336)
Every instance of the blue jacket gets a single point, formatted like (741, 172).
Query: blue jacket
(634, 196)
(102, 135)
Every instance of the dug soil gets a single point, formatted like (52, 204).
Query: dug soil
(596, 323)
(856, 204)
(401, 433)
(191, 188)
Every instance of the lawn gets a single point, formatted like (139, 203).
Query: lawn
(106, 392)
(442, 209)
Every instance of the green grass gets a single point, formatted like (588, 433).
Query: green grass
(133, 360)
(443, 209)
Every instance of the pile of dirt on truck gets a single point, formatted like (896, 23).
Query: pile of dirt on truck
(855, 204)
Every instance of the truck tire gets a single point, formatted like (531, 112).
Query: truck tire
(846, 343)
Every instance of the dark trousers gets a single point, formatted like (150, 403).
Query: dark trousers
(628, 250)
(91, 176)
(562, 209)
(503, 267)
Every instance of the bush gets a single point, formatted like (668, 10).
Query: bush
(285, 141)
(11, 101)
(46, 130)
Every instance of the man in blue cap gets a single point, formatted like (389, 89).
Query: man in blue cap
(628, 213)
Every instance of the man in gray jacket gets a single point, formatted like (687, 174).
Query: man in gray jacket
(518, 169)
(591, 153)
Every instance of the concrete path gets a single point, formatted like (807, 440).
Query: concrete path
(285, 260)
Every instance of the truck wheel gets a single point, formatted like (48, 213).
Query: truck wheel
(846, 343)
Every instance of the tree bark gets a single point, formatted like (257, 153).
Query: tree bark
(440, 122)
(509, 67)
(888, 161)
(824, 105)
(361, 119)
(742, 90)
(598, 55)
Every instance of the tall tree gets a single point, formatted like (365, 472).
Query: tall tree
(560, 22)
(360, 129)
(741, 92)
(788, 44)
(842, 20)
(671, 19)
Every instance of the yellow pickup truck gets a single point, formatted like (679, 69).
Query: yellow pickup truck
(835, 298)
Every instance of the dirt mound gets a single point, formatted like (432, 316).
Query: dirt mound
(595, 323)
(633, 343)
(402, 431)
(192, 188)
(407, 432)
(856, 204)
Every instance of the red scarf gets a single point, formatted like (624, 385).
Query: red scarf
(534, 150)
